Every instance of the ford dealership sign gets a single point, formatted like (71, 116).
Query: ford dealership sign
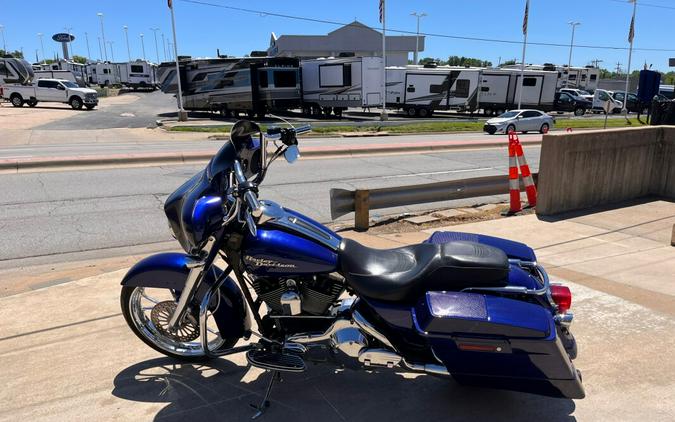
(63, 37)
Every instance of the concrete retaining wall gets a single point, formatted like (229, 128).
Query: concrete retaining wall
(586, 169)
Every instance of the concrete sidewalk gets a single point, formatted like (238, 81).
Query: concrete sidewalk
(66, 353)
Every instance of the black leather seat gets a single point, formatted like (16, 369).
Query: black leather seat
(403, 274)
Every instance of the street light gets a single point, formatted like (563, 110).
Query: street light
(112, 53)
(417, 37)
(143, 47)
(126, 35)
(86, 37)
(164, 48)
(4, 44)
(569, 61)
(105, 51)
(40, 34)
(70, 42)
(156, 48)
(100, 50)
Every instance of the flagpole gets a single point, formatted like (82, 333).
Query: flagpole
(522, 63)
(383, 115)
(182, 115)
(631, 35)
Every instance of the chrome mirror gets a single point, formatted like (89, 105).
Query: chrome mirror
(292, 154)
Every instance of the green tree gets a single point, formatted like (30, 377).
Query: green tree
(79, 59)
(508, 63)
(468, 61)
(16, 54)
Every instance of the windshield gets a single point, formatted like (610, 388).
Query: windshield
(582, 92)
(509, 114)
(70, 84)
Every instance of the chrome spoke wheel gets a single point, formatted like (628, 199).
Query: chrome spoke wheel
(151, 309)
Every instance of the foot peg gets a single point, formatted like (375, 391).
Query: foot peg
(275, 361)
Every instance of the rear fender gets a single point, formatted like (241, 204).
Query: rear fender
(170, 271)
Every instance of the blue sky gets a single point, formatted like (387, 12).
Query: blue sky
(202, 29)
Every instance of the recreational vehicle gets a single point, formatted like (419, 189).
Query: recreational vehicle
(104, 74)
(139, 74)
(15, 71)
(55, 74)
(253, 85)
(334, 84)
(78, 70)
(585, 78)
(500, 90)
(419, 90)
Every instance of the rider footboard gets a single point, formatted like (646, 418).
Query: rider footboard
(497, 342)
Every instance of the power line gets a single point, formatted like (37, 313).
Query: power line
(428, 34)
(641, 4)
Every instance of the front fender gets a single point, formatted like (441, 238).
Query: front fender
(170, 271)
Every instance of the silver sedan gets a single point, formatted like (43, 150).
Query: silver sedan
(520, 121)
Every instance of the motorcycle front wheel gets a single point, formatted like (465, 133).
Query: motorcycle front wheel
(147, 312)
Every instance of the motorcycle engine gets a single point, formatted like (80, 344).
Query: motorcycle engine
(315, 294)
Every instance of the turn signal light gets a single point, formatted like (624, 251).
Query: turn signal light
(562, 296)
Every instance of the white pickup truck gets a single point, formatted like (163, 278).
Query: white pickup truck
(50, 90)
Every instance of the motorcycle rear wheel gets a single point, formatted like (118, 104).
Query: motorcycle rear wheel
(137, 306)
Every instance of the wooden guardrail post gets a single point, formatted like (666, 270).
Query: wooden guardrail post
(361, 209)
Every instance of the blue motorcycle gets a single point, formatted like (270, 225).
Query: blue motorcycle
(475, 308)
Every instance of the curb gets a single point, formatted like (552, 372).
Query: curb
(18, 165)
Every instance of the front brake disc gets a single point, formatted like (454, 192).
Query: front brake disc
(188, 329)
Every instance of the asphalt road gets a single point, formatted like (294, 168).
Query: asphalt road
(48, 215)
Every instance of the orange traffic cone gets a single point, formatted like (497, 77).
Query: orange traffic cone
(514, 184)
(530, 188)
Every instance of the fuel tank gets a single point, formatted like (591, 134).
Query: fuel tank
(288, 243)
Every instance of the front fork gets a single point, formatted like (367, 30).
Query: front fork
(193, 281)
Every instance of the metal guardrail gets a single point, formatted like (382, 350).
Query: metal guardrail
(361, 201)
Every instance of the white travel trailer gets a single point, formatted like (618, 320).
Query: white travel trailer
(500, 90)
(78, 70)
(419, 90)
(104, 74)
(66, 75)
(139, 74)
(334, 84)
(585, 78)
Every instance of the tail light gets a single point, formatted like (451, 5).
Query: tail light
(562, 296)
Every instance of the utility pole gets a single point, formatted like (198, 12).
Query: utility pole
(569, 60)
(40, 34)
(143, 46)
(596, 63)
(105, 51)
(126, 36)
(618, 68)
(417, 37)
(86, 37)
(156, 48)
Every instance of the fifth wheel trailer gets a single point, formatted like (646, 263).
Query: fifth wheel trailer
(500, 90)
(139, 74)
(420, 90)
(334, 84)
(253, 85)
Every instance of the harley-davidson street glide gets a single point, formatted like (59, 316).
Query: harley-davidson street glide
(475, 308)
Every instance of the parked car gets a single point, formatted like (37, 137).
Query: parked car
(603, 101)
(633, 105)
(51, 90)
(520, 121)
(578, 93)
(565, 101)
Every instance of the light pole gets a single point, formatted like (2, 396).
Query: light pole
(143, 47)
(70, 42)
(631, 35)
(417, 37)
(164, 47)
(40, 34)
(105, 51)
(112, 53)
(4, 44)
(156, 48)
(569, 60)
(126, 36)
(86, 37)
(100, 50)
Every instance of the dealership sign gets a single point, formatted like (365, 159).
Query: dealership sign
(63, 37)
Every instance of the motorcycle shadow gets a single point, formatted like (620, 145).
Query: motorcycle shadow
(222, 390)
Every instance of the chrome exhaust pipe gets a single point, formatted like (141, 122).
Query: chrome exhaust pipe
(429, 368)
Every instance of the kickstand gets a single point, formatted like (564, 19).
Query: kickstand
(276, 376)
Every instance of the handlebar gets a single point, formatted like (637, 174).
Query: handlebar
(287, 135)
(249, 197)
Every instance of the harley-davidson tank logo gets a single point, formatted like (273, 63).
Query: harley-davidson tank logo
(262, 262)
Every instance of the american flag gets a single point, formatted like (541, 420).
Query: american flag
(381, 10)
(631, 31)
(527, 12)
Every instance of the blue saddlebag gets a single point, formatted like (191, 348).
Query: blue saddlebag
(497, 342)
